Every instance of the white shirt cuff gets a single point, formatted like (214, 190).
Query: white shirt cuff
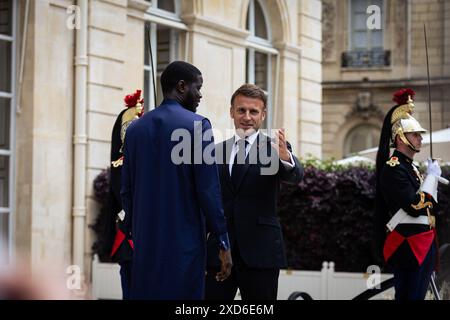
(289, 165)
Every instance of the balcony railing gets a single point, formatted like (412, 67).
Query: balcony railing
(366, 59)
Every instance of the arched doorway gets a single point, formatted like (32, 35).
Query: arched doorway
(361, 137)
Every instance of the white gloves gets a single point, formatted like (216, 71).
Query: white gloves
(433, 168)
(430, 183)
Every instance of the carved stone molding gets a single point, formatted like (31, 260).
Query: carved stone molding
(328, 30)
(364, 108)
(140, 5)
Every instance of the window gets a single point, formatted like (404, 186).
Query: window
(166, 5)
(165, 8)
(165, 28)
(165, 49)
(260, 54)
(363, 38)
(365, 44)
(7, 62)
(361, 138)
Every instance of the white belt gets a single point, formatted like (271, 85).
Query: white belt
(402, 217)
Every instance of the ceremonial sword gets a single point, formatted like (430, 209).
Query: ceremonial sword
(440, 179)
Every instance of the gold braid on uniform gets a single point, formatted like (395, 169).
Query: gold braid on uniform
(118, 162)
(422, 204)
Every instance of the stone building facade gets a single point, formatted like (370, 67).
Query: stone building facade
(69, 64)
(362, 67)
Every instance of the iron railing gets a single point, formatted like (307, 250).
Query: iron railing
(366, 59)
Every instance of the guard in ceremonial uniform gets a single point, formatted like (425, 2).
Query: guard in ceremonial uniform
(405, 201)
(122, 249)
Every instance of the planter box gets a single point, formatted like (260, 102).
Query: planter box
(328, 284)
(320, 285)
(106, 280)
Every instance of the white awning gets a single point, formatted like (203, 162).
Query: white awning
(441, 147)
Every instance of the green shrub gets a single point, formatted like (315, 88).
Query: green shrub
(329, 216)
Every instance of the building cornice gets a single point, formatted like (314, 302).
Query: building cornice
(193, 21)
(137, 8)
(416, 82)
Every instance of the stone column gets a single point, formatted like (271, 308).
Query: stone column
(44, 140)
(286, 107)
(310, 78)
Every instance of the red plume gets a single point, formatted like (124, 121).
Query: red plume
(132, 99)
(401, 96)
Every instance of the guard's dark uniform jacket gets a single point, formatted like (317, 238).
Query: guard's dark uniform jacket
(408, 244)
(122, 246)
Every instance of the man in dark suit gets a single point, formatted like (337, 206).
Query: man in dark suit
(167, 202)
(251, 167)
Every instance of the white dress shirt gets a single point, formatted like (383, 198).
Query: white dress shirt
(251, 139)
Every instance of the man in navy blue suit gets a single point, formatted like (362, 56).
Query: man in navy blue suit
(251, 169)
(171, 205)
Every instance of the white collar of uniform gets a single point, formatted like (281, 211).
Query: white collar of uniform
(251, 138)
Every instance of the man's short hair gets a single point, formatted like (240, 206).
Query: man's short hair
(176, 71)
(251, 91)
